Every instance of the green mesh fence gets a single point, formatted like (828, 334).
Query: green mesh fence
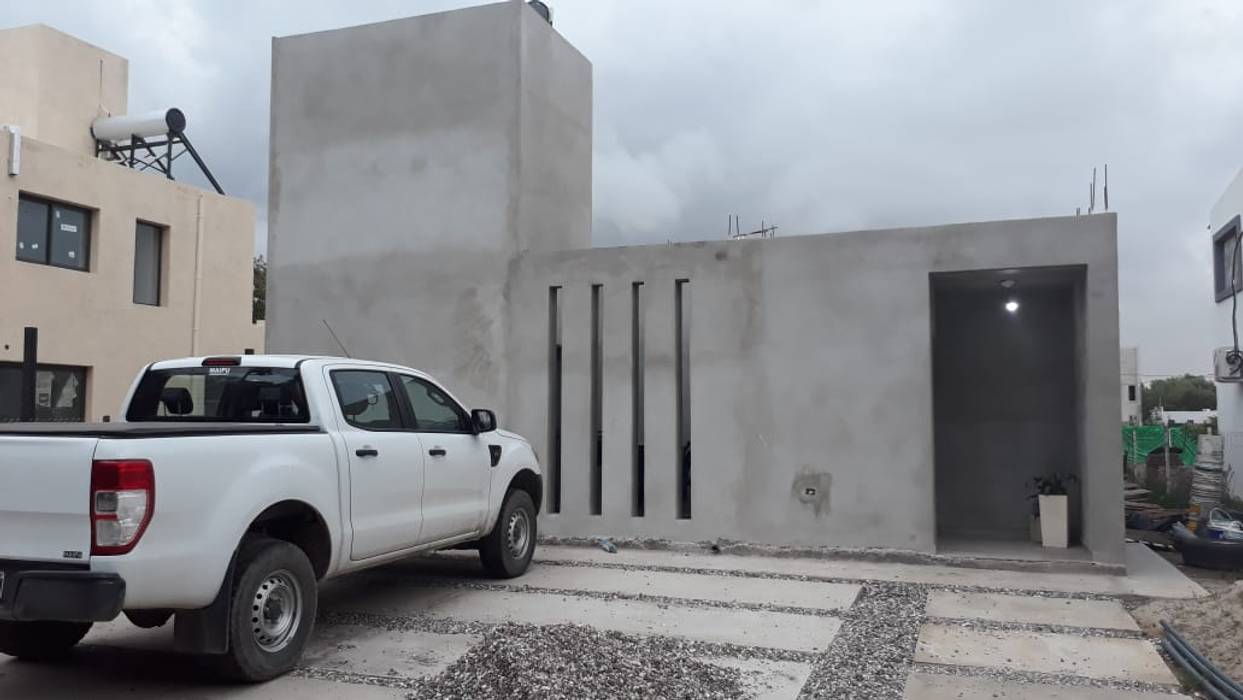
(1138, 441)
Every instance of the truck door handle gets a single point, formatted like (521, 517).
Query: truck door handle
(367, 452)
(437, 452)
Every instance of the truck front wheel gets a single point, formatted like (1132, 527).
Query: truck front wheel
(40, 641)
(506, 551)
(273, 609)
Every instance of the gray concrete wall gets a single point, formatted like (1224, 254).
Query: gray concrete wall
(811, 364)
(407, 168)
(554, 141)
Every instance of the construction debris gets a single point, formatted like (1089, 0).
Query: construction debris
(1146, 521)
(1213, 625)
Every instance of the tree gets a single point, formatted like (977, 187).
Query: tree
(1186, 393)
(259, 303)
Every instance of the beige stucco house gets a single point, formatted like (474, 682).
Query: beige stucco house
(114, 266)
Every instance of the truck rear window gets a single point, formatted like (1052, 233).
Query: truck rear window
(220, 394)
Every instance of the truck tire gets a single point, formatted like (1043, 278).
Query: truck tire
(272, 611)
(506, 551)
(40, 641)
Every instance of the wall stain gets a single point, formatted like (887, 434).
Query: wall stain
(473, 336)
(812, 488)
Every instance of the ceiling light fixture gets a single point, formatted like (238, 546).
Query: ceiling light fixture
(1012, 306)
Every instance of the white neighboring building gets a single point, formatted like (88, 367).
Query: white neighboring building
(1224, 227)
(1132, 389)
(1201, 417)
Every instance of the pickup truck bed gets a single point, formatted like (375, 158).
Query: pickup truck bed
(121, 431)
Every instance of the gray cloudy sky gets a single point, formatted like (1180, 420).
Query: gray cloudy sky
(814, 115)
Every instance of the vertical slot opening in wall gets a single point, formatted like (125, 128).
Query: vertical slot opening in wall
(554, 399)
(637, 504)
(597, 405)
(682, 376)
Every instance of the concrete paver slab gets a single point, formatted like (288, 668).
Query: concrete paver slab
(744, 627)
(768, 680)
(816, 595)
(1148, 574)
(379, 652)
(937, 686)
(999, 607)
(1064, 654)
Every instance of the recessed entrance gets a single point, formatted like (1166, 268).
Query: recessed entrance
(1007, 400)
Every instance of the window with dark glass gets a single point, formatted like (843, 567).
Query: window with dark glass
(51, 233)
(32, 225)
(434, 411)
(1130, 392)
(1227, 263)
(148, 263)
(220, 395)
(367, 399)
(60, 393)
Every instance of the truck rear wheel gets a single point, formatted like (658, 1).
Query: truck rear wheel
(40, 641)
(272, 610)
(506, 551)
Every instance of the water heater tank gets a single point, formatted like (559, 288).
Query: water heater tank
(157, 123)
(542, 9)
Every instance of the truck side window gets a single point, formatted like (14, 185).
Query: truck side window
(367, 399)
(434, 411)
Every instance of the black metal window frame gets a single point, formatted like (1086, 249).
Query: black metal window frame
(161, 239)
(1221, 266)
(51, 204)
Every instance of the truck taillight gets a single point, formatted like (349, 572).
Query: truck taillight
(122, 500)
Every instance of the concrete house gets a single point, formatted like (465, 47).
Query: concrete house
(1224, 226)
(115, 267)
(431, 201)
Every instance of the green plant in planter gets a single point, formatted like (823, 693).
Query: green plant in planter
(1056, 484)
(1050, 491)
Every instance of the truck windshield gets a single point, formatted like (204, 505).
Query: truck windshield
(220, 394)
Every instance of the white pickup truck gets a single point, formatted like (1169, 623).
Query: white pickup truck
(234, 485)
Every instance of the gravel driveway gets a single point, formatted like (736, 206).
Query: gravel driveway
(583, 623)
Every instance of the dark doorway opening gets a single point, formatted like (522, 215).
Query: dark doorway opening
(1007, 399)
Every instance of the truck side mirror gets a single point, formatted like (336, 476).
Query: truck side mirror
(483, 420)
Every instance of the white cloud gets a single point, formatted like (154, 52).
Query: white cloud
(639, 193)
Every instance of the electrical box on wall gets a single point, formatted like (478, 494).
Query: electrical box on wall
(1223, 369)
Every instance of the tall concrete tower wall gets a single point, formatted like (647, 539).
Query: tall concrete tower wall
(411, 161)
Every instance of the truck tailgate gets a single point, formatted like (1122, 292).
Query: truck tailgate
(45, 497)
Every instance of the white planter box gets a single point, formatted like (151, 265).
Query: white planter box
(1054, 521)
